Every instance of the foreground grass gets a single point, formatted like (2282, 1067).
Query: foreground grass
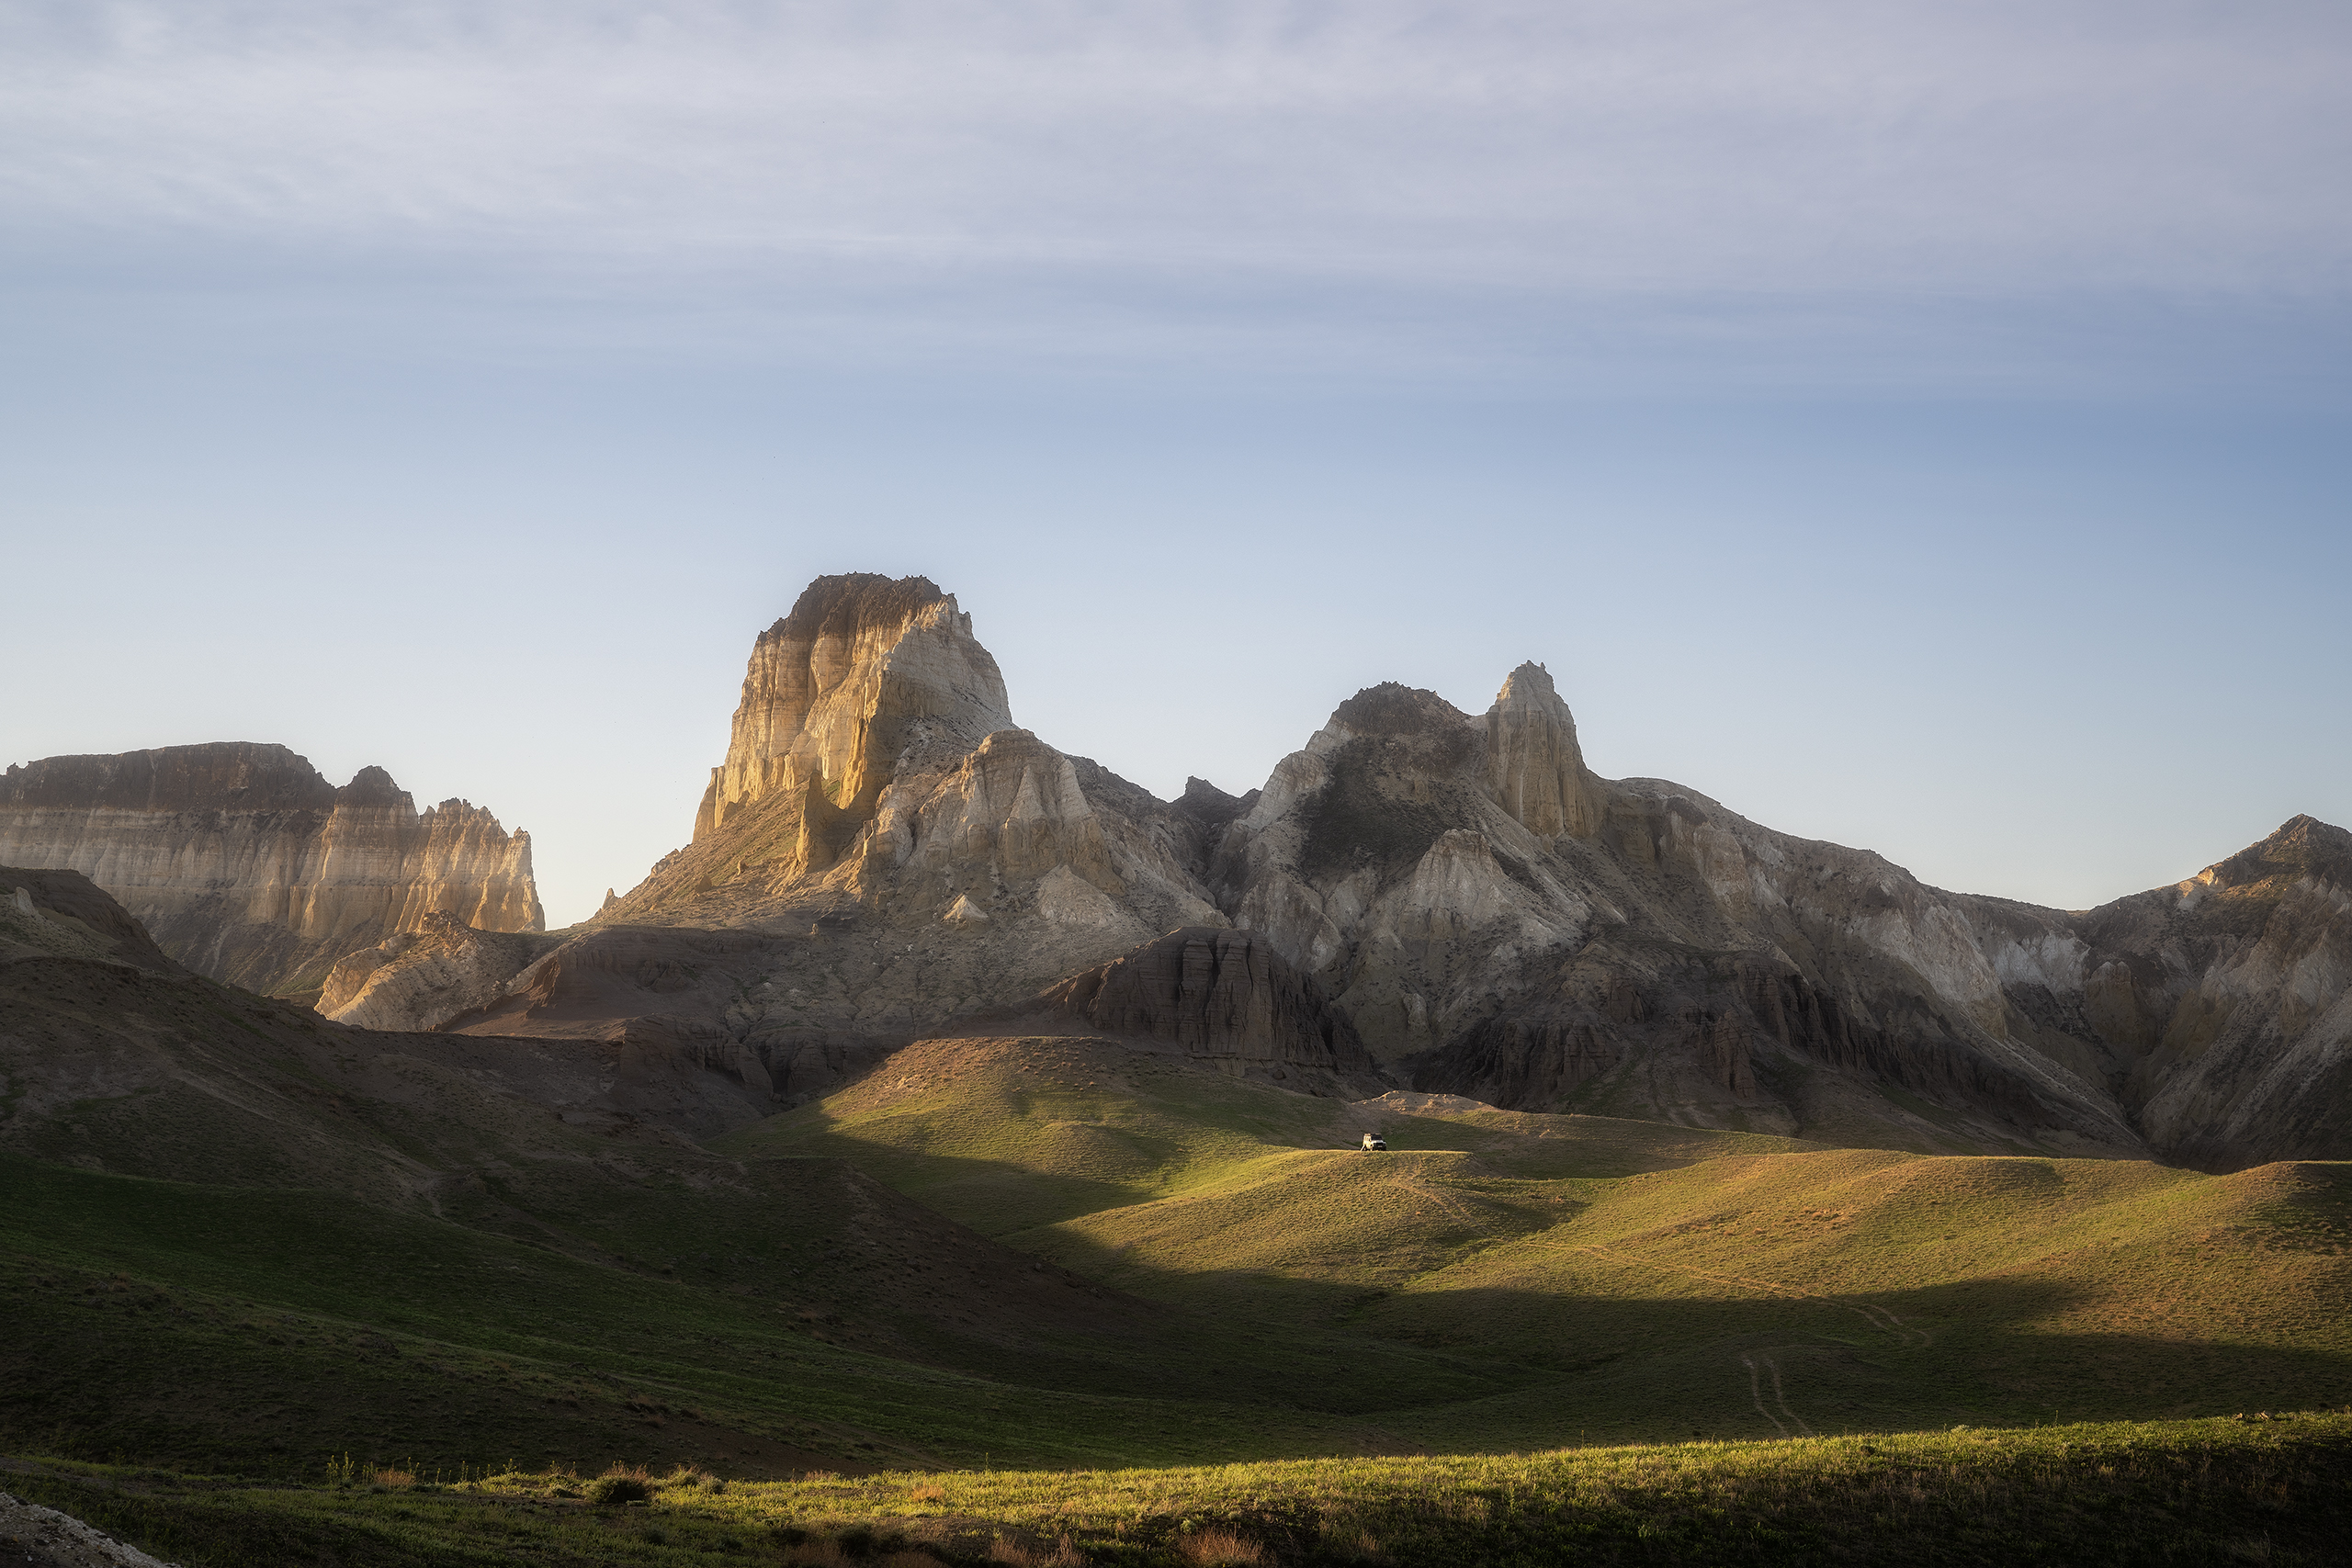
(2261, 1489)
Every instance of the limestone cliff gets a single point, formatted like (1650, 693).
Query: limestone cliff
(833, 694)
(248, 866)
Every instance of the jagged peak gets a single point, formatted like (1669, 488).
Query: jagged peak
(2302, 845)
(1530, 681)
(1535, 766)
(371, 785)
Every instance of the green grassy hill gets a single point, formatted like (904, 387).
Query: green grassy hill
(1646, 1281)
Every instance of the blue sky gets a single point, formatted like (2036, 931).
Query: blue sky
(1918, 427)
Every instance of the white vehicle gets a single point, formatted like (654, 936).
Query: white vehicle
(1372, 1141)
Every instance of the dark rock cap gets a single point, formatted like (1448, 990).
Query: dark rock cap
(225, 775)
(1391, 708)
(846, 604)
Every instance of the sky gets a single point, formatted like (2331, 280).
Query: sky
(1918, 427)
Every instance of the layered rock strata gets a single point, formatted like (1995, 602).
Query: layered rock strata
(245, 864)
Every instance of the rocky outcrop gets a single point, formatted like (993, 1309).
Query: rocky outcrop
(419, 979)
(246, 865)
(63, 914)
(836, 690)
(1215, 994)
(2226, 1002)
(1533, 763)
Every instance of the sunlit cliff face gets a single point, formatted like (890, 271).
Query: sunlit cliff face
(248, 866)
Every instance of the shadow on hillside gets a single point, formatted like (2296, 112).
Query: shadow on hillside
(1654, 1359)
(1743, 1363)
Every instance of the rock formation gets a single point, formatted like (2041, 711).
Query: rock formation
(1215, 994)
(246, 865)
(1500, 924)
(2223, 1004)
(419, 979)
(883, 850)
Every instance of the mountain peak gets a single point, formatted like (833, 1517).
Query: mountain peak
(2303, 846)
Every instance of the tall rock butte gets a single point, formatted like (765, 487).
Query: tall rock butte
(248, 866)
(882, 850)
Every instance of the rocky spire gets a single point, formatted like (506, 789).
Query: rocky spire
(1533, 763)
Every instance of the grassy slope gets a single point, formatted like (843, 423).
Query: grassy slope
(375, 1194)
(1645, 1282)
(2206, 1492)
(258, 1331)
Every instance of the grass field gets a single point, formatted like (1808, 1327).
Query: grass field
(2269, 1489)
(1023, 1288)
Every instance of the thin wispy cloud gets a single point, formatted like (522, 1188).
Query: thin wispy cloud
(1758, 147)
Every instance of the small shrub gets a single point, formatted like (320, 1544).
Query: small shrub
(619, 1486)
(927, 1493)
(1220, 1548)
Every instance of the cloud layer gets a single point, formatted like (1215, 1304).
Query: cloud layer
(1664, 148)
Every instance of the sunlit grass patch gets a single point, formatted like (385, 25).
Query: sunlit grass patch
(2269, 1487)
